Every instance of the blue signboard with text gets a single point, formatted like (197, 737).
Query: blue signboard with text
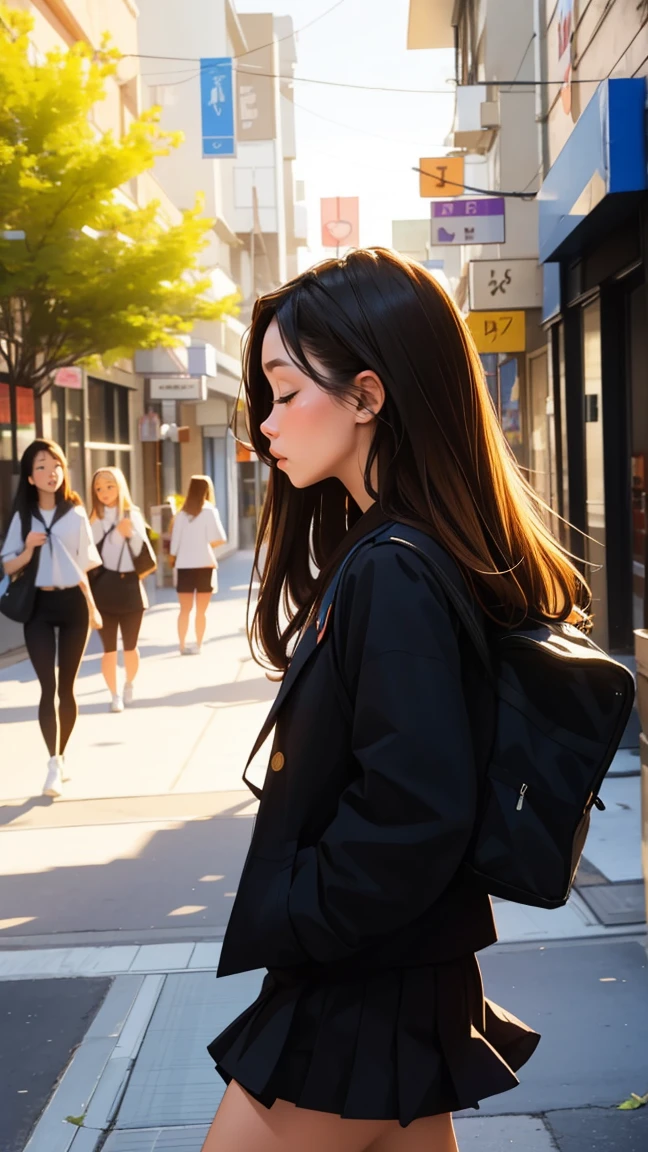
(217, 106)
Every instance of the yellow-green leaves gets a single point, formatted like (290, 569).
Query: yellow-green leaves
(87, 267)
(634, 1102)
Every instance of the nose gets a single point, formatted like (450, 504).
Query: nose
(268, 426)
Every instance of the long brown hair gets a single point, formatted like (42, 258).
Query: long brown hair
(200, 489)
(443, 463)
(124, 498)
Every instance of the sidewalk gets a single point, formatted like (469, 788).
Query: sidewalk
(114, 900)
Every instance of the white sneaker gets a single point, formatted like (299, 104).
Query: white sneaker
(53, 785)
(65, 774)
(117, 704)
(127, 694)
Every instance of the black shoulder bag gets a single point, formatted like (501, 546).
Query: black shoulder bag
(115, 593)
(17, 602)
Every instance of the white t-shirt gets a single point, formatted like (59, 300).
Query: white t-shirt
(115, 553)
(192, 535)
(66, 555)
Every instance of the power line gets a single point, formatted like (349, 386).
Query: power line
(260, 48)
(362, 131)
(481, 191)
(362, 87)
(292, 34)
(526, 52)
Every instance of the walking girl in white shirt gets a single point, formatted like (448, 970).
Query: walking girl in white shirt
(197, 530)
(119, 532)
(50, 519)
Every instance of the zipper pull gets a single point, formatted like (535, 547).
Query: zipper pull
(523, 791)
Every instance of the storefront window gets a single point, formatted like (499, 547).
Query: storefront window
(638, 354)
(509, 389)
(108, 410)
(541, 462)
(66, 407)
(594, 475)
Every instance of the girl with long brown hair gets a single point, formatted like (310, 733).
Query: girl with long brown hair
(197, 530)
(367, 400)
(50, 533)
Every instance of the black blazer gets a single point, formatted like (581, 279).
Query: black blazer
(382, 732)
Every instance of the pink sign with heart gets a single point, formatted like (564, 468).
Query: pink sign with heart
(340, 222)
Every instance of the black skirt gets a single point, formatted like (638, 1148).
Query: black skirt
(398, 1044)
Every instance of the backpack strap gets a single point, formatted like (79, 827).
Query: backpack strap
(444, 570)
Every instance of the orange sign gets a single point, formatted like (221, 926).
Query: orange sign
(442, 176)
(341, 222)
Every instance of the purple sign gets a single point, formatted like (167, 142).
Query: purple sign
(462, 221)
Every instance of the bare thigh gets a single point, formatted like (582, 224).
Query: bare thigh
(243, 1125)
(202, 602)
(430, 1134)
(186, 600)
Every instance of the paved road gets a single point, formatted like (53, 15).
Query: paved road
(41, 1023)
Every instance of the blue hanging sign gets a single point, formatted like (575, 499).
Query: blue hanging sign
(217, 105)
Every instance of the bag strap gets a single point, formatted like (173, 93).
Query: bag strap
(60, 511)
(446, 574)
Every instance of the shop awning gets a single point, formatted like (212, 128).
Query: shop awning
(600, 172)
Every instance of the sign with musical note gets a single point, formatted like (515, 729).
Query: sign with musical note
(477, 221)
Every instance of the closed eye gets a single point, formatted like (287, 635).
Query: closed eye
(285, 399)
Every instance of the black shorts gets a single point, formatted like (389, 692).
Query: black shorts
(129, 625)
(195, 580)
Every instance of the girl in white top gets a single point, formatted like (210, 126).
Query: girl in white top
(118, 529)
(197, 530)
(48, 517)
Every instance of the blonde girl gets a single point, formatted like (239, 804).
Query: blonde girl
(119, 530)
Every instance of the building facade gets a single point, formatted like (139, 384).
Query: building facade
(550, 100)
(593, 207)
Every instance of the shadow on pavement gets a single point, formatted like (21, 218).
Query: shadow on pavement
(11, 812)
(195, 864)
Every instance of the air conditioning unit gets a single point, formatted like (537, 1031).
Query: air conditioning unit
(490, 114)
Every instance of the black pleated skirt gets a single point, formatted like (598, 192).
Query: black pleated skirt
(397, 1044)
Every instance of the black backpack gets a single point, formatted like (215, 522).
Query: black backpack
(562, 707)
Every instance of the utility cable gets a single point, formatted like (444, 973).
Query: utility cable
(480, 191)
(365, 87)
(290, 35)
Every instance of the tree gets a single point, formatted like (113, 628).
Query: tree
(82, 273)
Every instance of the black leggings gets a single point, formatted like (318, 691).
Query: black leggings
(67, 610)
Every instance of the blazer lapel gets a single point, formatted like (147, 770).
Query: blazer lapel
(303, 651)
(369, 522)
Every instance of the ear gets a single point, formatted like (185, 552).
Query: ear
(29, 480)
(371, 396)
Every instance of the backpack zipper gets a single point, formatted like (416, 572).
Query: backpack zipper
(523, 791)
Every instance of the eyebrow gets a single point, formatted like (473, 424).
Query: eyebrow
(278, 363)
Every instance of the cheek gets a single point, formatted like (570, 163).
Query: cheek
(322, 425)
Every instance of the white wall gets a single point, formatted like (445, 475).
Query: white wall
(195, 29)
(513, 162)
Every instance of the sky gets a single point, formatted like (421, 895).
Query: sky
(377, 136)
